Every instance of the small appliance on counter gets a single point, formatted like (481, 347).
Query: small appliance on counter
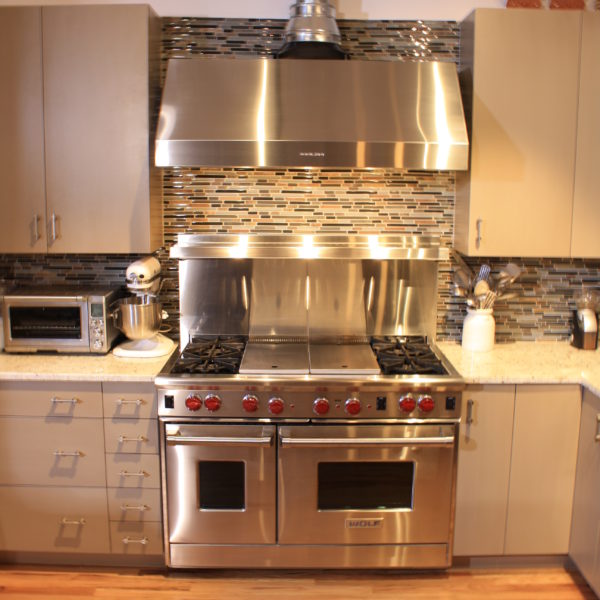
(585, 321)
(140, 316)
(60, 319)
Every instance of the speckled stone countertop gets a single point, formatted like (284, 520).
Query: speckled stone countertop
(81, 367)
(527, 362)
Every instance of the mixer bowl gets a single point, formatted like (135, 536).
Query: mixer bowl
(138, 318)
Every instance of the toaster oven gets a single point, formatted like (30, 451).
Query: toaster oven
(57, 319)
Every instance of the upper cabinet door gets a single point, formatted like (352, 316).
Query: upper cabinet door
(522, 69)
(97, 103)
(586, 205)
(22, 194)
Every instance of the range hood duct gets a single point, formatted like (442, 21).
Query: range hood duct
(311, 113)
(312, 32)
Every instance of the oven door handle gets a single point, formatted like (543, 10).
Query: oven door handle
(222, 441)
(438, 442)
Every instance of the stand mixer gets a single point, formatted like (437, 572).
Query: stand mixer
(140, 316)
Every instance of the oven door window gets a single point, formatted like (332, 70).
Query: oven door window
(45, 322)
(365, 485)
(222, 485)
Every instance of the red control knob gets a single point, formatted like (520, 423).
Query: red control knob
(407, 403)
(352, 406)
(276, 406)
(426, 403)
(321, 406)
(250, 403)
(193, 403)
(212, 402)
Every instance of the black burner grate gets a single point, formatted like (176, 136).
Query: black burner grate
(211, 355)
(406, 355)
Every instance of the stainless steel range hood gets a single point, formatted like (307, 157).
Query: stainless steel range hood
(303, 113)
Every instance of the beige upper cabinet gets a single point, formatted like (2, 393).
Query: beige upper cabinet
(585, 241)
(97, 191)
(22, 191)
(522, 68)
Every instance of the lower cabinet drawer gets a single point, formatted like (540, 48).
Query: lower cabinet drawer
(132, 470)
(53, 519)
(136, 538)
(133, 505)
(138, 436)
(52, 451)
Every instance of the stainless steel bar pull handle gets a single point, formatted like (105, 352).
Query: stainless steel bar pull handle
(67, 521)
(53, 234)
(597, 436)
(222, 441)
(478, 225)
(443, 441)
(36, 228)
(137, 474)
(128, 540)
(122, 401)
(469, 417)
(138, 507)
(56, 400)
(138, 438)
(67, 453)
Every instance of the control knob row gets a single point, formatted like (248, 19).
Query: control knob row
(212, 402)
(352, 406)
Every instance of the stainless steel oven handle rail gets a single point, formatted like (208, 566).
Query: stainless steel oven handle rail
(222, 441)
(438, 442)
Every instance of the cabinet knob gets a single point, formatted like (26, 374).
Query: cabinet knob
(478, 225)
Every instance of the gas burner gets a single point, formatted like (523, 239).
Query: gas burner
(211, 355)
(406, 355)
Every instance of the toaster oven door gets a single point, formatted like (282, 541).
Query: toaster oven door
(33, 324)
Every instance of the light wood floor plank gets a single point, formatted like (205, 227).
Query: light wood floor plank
(62, 583)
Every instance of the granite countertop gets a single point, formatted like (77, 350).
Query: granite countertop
(80, 367)
(527, 362)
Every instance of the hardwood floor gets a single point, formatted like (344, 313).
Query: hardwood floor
(74, 583)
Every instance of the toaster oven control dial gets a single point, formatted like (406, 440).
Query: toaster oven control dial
(193, 403)
(276, 406)
(212, 402)
(407, 403)
(352, 406)
(321, 406)
(426, 403)
(250, 403)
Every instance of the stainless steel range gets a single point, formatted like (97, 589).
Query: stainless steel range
(309, 420)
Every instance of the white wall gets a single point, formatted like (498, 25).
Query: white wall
(452, 10)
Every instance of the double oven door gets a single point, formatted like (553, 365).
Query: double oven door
(256, 484)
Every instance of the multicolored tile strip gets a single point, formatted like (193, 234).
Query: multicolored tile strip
(322, 201)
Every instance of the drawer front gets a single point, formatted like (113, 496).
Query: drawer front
(52, 451)
(136, 538)
(52, 519)
(134, 505)
(131, 436)
(132, 471)
(129, 400)
(47, 399)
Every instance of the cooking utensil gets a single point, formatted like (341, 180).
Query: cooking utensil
(484, 273)
(462, 278)
(482, 287)
(508, 274)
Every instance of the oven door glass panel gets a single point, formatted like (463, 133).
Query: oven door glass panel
(220, 482)
(45, 322)
(365, 485)
(221, 485)
(362, 510)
